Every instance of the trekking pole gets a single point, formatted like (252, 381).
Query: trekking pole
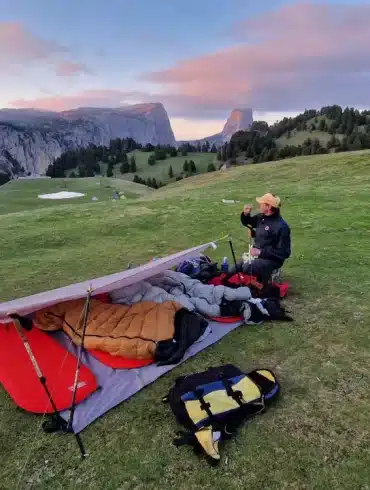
(234, 257)
(81, 347)
(60, 423)
(249, 253)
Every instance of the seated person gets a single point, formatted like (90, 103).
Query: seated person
(272, 245)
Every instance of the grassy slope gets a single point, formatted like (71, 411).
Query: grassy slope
(21, 195)
(316, 436)
(160, 169)
(298, 137)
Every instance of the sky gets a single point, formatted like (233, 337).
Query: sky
(200, 58)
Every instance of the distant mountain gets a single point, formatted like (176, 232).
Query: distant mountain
(239, 120)
(30, 139)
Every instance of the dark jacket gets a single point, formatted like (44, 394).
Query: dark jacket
(272, 235)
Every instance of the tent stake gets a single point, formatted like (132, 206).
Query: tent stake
(81, 347)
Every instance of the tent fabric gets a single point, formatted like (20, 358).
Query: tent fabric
(118, 385)
(106, 284)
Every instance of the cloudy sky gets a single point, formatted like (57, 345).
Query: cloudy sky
(200, 58)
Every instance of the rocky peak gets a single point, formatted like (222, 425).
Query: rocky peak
(239, 120)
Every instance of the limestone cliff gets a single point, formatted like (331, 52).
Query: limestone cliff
(238, 120)
(31, 140)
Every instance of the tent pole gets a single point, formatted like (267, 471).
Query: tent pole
(60, 423)
(81, 347)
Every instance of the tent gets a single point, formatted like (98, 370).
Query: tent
(96, 388)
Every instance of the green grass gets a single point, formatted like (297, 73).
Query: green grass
(316, 437)
(160, 170)
(298, 137)
(21, 195)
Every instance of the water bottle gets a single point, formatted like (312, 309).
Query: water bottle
(225, 265)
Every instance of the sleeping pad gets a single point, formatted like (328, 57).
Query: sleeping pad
(132, 331)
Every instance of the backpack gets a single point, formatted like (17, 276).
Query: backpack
(212, 404)
(201, 268)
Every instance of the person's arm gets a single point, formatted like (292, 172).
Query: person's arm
(282, 250)
(248, 220)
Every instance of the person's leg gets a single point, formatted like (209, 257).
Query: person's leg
(261, 269)
(233, 270)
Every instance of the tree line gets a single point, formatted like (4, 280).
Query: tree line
(86, 162)
(349, 130)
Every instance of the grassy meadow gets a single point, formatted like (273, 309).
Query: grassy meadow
(317, 435)
(159, 171)
(22, 194)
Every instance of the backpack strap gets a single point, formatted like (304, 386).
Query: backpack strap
(205, 440)
(235, 395)
(203, 404)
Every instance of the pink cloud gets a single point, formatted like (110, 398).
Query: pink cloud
(300, 55)
(68, 69)
(94, 98)
(20, 47)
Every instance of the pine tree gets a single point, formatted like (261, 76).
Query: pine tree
(123, 157)
(219, 156)
(170, 172)
(124, 167)
(186, 166)
(151, 160)
(89, 172)
(211, 167)
(193, 168)
(322, 125)
(356, 145)
(154, 183)
(133, 167)
(224, 152)
(110, 170)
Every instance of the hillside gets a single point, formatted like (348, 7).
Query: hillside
(124, 158)
(22, 195)
(31, 140)
(315, 436)
(330, 129)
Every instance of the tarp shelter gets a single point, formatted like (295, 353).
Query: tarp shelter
(114, 385)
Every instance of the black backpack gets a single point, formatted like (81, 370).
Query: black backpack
(212, 404)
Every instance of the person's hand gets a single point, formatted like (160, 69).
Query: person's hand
(247, 209)
(255, 252)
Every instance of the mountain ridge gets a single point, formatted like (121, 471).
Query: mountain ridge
(31, 139)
